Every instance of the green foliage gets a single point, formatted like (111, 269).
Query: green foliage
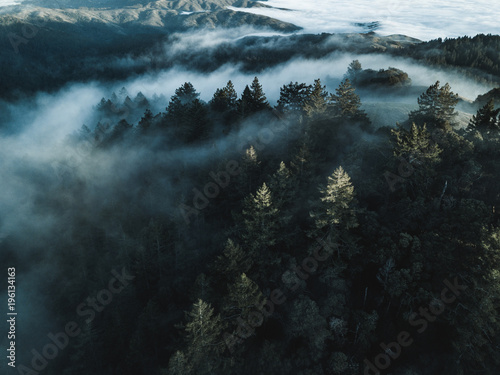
(436, 107)
(336, 212)
(260, 217)
(203, 333)
(345, 102)
(486, 120)
(224, 103)
(415, 145)
(306, 321)
(283, 185)
(344, 267)
(316, 103)
(243, 296)
(353, 70)
(234, 261)
(253, 99)
(294, 96)
(224, 99)
(188, 115)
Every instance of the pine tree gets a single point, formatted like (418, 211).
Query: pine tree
(178, 365)
(447, 102)
(233, 262)
(346, 103)
(260, 220)
(187, 114)
(316, 103)
(353, 70)
(485, 121)
(415, 145)
(304, 162)
(146, 121)
(204, 338)
(293, 97)
(252, 99)
(283, 186)
(224, 105)
(196, 122)
(224, 99)
(250, 171)
(336, 214)
(259, 100)
(186, 93)
(245, 102)
(436, 107)
(243, 296)
(141, 101)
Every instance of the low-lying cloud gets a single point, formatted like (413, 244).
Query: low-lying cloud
(424, 20)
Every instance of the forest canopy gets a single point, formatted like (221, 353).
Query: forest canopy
(298, 238)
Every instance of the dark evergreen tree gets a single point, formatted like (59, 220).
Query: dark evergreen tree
(259, 100)
(225, 104)
(203, 334)
(224, 99)
(293, 97)
(336, 214)
(486, 120)
(346, 103)
(261, 219)
(436, 107)
(146, 121)
(253, 99)
(245, 103)
(188, 115)
(353, 71)
(243, 296)
(316, 104)
(415, 145)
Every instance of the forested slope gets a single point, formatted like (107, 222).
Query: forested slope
(297, 239)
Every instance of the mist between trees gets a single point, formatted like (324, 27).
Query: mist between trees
(312, 166)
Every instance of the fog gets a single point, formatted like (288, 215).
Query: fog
(424, 20)
(331, 70)
(49, 186)
(4, 3)
(40, 126)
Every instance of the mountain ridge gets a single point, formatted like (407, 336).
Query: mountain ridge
(177, 15)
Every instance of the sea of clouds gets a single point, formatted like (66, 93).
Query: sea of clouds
(422, 19)
(4, 3)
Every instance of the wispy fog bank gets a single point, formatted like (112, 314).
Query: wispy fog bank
(424, 20)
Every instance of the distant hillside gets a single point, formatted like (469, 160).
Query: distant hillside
(183, 5)
(170, 16)
(43, 48)
(476, 56)
(494, 94)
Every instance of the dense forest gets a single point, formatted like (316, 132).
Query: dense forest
(259, 239)
(46, 57)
